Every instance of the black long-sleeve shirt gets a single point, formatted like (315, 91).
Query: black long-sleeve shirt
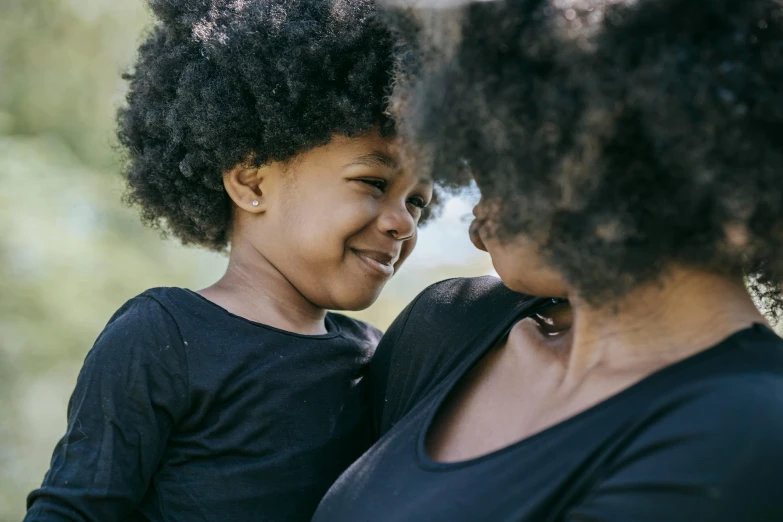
(698, 441)
(185, 412)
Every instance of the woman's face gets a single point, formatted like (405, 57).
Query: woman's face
(517, 260)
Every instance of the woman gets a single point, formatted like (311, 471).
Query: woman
(629, 159)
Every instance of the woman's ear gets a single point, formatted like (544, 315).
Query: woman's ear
(246, 187)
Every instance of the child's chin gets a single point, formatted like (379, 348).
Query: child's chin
(358, 301)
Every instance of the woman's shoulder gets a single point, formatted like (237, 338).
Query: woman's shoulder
(712, 447)
(462, 294)
(450, 311)
(444, 326)
(457, 305)
(735, 385)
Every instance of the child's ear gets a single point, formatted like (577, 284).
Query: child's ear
(246, 188)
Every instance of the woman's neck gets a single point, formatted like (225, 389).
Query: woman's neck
(255, 289)
(658, 324)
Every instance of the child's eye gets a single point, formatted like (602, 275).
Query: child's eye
(377, 183)
(417, 202)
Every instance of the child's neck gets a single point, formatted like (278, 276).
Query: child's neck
(254, 289)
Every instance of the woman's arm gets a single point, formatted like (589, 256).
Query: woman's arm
(130, 392)
(380, 368)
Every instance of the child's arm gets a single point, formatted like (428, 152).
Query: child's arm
(129, 394)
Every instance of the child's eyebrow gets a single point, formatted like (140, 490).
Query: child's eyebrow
(381, 159)
(374, 159)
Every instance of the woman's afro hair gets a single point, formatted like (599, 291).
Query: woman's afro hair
(221, 82)
(622, 136)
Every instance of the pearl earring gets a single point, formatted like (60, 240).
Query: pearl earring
(255, 202)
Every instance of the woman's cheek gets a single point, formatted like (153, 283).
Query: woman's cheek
(504, 264)
(475, 236)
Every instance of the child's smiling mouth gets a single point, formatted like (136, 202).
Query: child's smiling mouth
(379, 262)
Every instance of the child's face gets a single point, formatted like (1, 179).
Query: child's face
(338, 221)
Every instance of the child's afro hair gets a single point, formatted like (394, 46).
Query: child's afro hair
(622, 136)
(221, 82)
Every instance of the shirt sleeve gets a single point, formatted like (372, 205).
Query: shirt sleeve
(718, 458)
(449, 322)
(378, 374)
(129, 394)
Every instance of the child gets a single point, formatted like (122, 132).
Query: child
(257, 125)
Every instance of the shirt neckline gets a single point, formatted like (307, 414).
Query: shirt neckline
(427, 463)
(332, 327)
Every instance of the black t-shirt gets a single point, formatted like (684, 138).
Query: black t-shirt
(185, 412)
(700, 440)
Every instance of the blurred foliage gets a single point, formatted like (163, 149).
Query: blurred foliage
(70, 253)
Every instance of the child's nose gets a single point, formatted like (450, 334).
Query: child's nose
(397, 221)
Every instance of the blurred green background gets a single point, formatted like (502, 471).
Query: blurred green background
(70, 253)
